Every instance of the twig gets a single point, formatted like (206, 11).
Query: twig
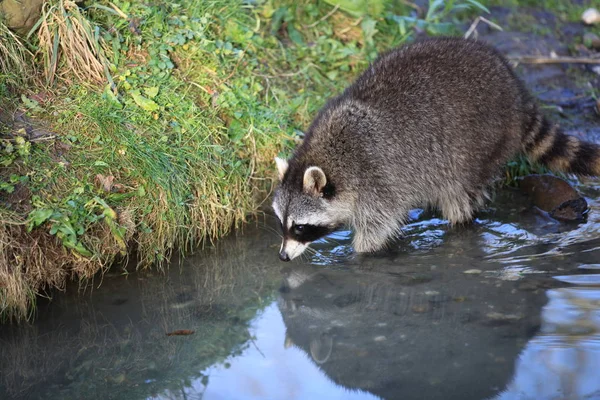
(476, 23)
(555, 60)
(256, 346)
(118, 11)
(329, 14)
(40, 139)
(289, 74)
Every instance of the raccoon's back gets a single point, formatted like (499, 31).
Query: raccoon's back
(444, 82)
(451, 101)
(434, 70)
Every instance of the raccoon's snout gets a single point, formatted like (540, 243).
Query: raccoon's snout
(283, 256)
(291, 249)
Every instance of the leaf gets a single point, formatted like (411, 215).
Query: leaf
(368, 27)
(108, 212)
(39, 216)
(277, 19)
(442, 28)
(110, 96)
(143, 102)
(359, 8)
(236, 130)
(100, 164)
(151, 91)
(80, 248)
(295, 35)
(479, 5)
(29, 103)
(433, 6)
(105, 182)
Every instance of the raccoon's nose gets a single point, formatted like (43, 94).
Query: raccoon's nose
(283, 256)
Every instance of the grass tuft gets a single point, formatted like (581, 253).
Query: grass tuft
(70, 44)
(15, 58)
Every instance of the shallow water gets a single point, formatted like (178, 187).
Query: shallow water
(508, 308)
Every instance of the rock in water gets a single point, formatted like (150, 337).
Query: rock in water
(554, 196)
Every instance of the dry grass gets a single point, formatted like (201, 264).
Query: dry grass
(15, 58)
(32, 263)
(70, 45)
(27, 262)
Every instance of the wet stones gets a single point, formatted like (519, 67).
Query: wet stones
(554, 196)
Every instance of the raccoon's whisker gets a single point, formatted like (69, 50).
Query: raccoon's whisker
(311, 251)
(334, 241)
(271, 229)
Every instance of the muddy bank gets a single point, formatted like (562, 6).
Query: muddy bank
(568, 90)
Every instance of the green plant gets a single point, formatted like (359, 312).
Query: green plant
(435, 21)
(73, 218)
(13, 148)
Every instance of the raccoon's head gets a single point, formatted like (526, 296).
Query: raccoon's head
(307, 207)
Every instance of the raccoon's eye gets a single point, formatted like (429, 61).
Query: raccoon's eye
(298, 229)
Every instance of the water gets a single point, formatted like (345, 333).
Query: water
(508, 308)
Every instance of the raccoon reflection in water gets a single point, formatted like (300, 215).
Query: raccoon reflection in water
(427, 124)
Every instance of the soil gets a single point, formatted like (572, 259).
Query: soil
(567, 89)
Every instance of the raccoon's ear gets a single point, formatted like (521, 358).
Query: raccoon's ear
(282, 166)
(314, 181)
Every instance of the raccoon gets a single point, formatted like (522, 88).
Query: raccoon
(429, 124)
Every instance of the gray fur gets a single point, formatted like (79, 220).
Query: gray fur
(427, 124)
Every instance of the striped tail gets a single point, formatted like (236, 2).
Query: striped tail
(545, 143)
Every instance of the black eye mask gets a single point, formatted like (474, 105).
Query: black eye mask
(309, 233)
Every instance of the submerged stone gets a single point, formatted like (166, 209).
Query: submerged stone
(554, 196)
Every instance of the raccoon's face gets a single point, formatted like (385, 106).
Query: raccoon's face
(305, 213)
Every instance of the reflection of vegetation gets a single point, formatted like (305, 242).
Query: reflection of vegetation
(123, 351)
